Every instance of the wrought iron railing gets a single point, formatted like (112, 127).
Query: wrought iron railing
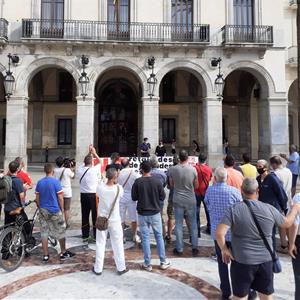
(255, 34)
(103, 31)
(3, 28)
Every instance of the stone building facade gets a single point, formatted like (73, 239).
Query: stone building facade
(256, 40)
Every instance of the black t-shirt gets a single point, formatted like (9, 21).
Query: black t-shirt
(118, 167)
(149, 194)
(160, 151)
(14, 198)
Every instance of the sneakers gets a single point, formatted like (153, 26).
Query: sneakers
(195, 252)
(123, 272)
(146, 267)
(165, 265)
(45, 258)
(176, 252)
(96, 273)
(66, 254)
(136, 239)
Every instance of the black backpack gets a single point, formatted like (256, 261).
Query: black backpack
(5, 189)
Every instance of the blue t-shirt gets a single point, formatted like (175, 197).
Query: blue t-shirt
(48, 188)
(294, 165)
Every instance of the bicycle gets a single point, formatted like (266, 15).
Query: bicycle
(14, 245)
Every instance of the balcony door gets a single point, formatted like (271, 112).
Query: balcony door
(244, 20)
(52, 15)
(182, 20)
(118, 17)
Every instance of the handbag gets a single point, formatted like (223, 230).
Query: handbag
(276, 262)
(102, 222)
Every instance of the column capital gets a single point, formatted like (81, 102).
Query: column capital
(148, 99)
(17, 99)
(87, 100)
(215, 101)
(279, 100)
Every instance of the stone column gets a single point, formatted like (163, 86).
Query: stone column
(279, 125)
(150, 121)
(264, 135)
(244, 127)
(16, 129)
(273, 127)
(194, 135)
(84, 126)
(212, 118)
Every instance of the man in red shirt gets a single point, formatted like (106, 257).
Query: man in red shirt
(204, 176)
(25, 178)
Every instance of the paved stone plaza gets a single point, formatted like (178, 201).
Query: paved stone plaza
(188, 278)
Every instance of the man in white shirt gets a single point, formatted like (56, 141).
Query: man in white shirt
(286, 177)
(127, 177)
(110, 194)
(64, 174)
(89, 178)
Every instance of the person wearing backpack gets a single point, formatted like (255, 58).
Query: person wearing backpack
(204, 177)
(15, 198)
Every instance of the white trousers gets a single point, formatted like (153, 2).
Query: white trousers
(116, 237)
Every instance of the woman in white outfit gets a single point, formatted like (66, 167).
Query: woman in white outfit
(108, 193)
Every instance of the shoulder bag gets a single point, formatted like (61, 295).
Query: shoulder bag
(276, 262)
(83, 175)
(62, 174)
(102, 222)
(124, 184)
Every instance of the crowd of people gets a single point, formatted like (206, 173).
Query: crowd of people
(245, 205)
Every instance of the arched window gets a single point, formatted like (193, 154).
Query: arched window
(52, 15)
(118, 17)
(243, 12)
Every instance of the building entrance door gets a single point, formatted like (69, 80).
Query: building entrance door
(118, 119)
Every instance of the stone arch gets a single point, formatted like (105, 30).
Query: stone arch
(195, 69)
(23, 80)
(259, 72)
(126, 65)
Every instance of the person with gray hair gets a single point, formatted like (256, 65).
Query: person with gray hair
(293, 165)
(251, 261)
(218, 199)
(110, 194)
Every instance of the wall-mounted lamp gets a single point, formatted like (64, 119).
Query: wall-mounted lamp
(152, 80)
(9, 79)
(84, 79)
(220, 81)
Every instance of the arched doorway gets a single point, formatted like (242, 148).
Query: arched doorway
(117, 118)
(240, 113)
(51, 115)
(180, 109)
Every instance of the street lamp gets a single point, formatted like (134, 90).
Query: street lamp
(220, 81)
(9, 79)
(152, 80)
(84, 79)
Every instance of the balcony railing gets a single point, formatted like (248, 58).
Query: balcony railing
(107, 31)
(243, 34)
(3, 29)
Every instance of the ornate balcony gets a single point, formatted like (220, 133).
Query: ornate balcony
(3, 30)
(94, 31)
(244, 34)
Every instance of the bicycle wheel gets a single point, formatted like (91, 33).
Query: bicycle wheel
(12, 248)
